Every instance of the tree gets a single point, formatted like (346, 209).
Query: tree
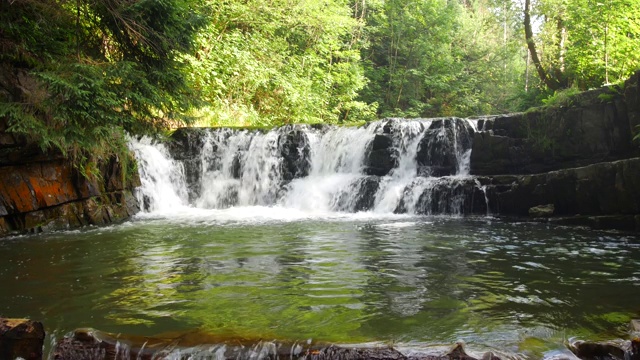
(280, 61)
(587, 43)
(78, 74)
(553, 78)
(604, 38)
(440, 58)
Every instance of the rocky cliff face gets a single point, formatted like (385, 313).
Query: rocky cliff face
(40, 192)
(578, 160)
(603, 195)
(592, 127)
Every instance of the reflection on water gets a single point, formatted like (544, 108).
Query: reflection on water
(347, 278)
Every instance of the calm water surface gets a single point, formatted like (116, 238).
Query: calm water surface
(344, 278)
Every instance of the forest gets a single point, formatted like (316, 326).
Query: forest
(78, 76)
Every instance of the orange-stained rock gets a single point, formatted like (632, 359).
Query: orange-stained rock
(15, 194)
(101, 210)
(21, 338)
(4, 227)
(52, 195)
(34, 186)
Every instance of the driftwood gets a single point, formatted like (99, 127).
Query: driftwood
(89, 344)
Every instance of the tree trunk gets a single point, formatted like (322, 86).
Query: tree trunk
(551, 83)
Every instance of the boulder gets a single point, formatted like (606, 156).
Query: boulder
(380, 156)
(295, 151)
(587, 350)
(442, 146)
(21, 338)
(542, 211)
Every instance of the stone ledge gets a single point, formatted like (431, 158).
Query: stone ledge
(109, 208)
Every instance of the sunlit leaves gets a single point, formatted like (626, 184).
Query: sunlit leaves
(589, 43)
(276, 62)
(438, 58)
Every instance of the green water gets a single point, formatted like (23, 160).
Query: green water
(416, 281)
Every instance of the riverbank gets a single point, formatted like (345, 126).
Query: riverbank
(22, 338)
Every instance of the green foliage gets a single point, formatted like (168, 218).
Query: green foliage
(78, 75)
(440, 58)
(561, 98)
(277, 62)
(603, 42)
(589, 43)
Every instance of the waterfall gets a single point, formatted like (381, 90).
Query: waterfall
(418, 166)
(163, 185)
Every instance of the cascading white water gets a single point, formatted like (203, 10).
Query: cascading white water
(396, 187)
(163, 185)
(393, 165)
(336, 166)
(239, 168)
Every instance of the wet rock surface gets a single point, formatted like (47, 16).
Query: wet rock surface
(90, 344)
(612, 350)
(595, 126)
(380, 156)
(295, 151)
(52, 195)
(440, 148)
(605, 192)
(21, 338)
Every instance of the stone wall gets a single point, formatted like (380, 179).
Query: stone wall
(578, 162)
(591, 127)
(42, 192)
(603, 195)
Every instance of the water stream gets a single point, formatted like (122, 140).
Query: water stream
(238, 241)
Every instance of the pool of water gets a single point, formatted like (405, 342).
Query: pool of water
(270, 273)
